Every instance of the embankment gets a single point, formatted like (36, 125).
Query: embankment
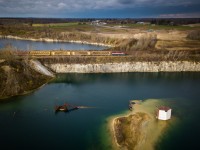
(161, 66)
(18, 77)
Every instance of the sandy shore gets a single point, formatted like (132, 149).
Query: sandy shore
(137, 129)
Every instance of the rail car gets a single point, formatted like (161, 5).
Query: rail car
(118, 54)
(40, 53)
(60, 53)
(70, 53)
(21, 53)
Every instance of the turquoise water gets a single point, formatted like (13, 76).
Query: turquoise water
(38, 45)
(29, 122)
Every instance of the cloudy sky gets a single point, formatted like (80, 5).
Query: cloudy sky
(100, 8)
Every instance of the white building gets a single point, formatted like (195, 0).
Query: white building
(98, 22)
(164, 113)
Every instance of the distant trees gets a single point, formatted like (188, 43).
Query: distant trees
(161, 22)
(175, 21)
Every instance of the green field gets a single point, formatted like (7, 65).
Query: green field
(56, 24)
(70, 27)
(77, 26)
(154, 27)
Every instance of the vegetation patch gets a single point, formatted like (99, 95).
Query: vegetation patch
(194, 35)
(17, 77)
(128, 130)
(145, 42)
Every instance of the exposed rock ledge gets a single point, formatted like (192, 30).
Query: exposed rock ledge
(37, 66)
(163, 66)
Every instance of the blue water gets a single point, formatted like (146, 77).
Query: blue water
(38, 45)
(29, 122)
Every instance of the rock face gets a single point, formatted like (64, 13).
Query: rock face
(162, 66)
(37, 66)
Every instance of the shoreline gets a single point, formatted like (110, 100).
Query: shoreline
(44, 75)
(146, 138)
(3, 99)
(55, 40)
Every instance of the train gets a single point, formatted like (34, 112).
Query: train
(69, 53)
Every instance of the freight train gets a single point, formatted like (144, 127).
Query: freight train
(69, 53)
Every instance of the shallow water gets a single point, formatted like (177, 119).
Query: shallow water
(29, 122)
(38, 45)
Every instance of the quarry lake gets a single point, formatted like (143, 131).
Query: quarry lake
(38, 45)
(29, 121)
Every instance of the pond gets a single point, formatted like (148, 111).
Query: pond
(38, 45)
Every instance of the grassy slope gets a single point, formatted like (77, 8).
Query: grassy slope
(16, 78)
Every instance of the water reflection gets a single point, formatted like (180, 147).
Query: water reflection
(79, 78)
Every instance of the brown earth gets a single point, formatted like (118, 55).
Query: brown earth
(17, 77)
(128, 130)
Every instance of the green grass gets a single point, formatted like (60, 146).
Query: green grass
(155, 27)
(56, 24)
(75, 26)
(70, 27)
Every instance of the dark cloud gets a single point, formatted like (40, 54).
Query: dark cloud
(125, 1)
(56, 7)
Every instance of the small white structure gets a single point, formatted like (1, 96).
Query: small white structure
(98, 22)
(164, 113)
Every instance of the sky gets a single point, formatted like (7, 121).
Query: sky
(100, 8)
